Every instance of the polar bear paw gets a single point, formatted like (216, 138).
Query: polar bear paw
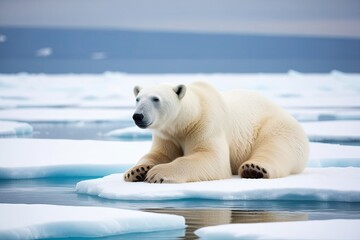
(137, 173)
(251, 170)
(162, 173)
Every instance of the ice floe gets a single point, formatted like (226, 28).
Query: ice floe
(325, 229)
(9, 128)
(39, 158)
(332, 131)
(314, 114)
(333, 155)
(54, 115)
(21, 221)
(314, 184)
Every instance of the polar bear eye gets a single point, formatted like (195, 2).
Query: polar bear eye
(137, 99)
(155, 99)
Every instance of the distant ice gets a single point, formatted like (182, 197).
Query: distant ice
(21, 221)
(75, 158)
(314, 184)
(333, 155)
(319, 102)
(293, 91)
(67, 115)
(2, 38)
(313, 114)
(44, 52)
(311, 230)
(8, 128)
(98, 55)
(346, 131)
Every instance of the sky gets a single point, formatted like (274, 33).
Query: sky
(339, 18)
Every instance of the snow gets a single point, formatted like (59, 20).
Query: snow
(54, 115)
(314, 184)
(8, 128)
(348, 131)
(39, 158)
(325, 229)
(21, 221)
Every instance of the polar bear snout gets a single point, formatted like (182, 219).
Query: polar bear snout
(139, 120)
(142, 120)
(138, 117)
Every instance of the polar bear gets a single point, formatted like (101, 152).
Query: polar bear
(200, 134)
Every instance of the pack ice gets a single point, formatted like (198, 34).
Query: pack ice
(22, 221)
(325, 229)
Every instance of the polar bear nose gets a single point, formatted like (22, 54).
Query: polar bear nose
(138, 117)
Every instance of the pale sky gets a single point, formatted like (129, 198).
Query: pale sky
(290, 17)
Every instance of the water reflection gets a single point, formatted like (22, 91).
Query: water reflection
(198, 218)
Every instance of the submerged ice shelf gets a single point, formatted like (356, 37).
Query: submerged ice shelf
(21, 221)
(314, 230)
(314, 184)
(39, 158)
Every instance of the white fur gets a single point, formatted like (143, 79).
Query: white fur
(207, 135)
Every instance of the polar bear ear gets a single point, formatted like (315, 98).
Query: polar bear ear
(180, 90)
(136, 90)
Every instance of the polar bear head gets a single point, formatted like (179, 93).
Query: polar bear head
(157, 106)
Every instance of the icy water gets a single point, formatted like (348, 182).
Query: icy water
(198, 213)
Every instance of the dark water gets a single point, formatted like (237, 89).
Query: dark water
(72, 50)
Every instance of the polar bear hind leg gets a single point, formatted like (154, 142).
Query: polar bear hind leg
(278, 154)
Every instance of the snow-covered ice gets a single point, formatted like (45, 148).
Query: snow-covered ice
(39, 158)
(53, 115)
(313, 114)
(36, 158)
(21, 221)
(9, 128)
(333, 155)
(325, 229)
(347, 131)
(314, 184)
(289, 90)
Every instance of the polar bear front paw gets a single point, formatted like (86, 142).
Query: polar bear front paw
(137, 173)
(251, 170)
(162, 174)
